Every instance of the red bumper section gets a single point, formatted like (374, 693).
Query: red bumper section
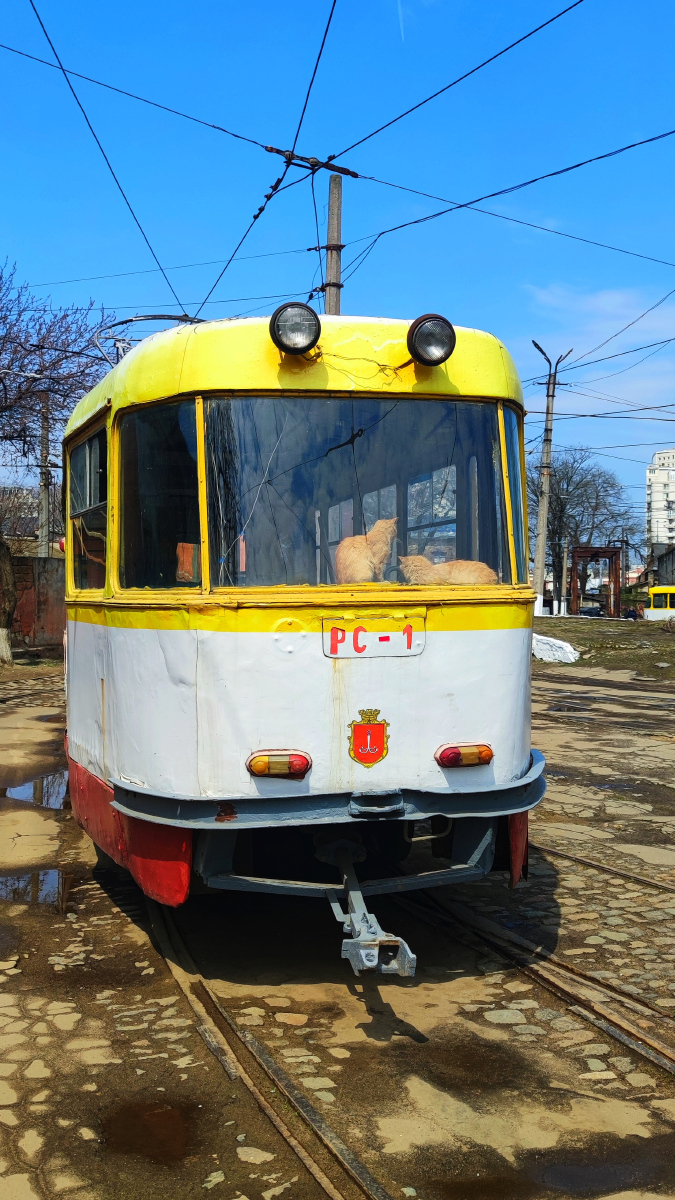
(518, 846)
(158, 856)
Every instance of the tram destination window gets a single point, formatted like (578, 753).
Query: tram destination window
(160, 535)
(322, 490)
(89, 510)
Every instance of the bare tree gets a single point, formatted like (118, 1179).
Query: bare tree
(587, 505)
(48, 360)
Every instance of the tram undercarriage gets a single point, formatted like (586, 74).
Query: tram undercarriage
(173, 846)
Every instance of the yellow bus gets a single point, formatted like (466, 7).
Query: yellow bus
(299, 616)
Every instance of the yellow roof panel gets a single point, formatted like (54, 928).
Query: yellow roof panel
(354, 354)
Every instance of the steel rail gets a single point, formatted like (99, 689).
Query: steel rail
(194, 987)
(589, 862)
(553, 978)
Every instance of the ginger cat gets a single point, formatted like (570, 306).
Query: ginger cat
(361, 559)
(418, 569)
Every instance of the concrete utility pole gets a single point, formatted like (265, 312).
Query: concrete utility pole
(43, 501)
(334, 246)
(563, 589)
(544, 483)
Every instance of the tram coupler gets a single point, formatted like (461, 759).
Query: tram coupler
(369, 948)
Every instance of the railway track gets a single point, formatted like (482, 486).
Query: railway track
(341, 1175)
(635, 1024)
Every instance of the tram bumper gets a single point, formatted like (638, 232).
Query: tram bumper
(200, 813)
(339, 824)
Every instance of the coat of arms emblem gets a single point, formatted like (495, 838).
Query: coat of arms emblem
(368, 740)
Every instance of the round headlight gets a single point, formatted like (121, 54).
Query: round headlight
(295, 328)
(431, 340)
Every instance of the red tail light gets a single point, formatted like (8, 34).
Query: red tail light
(283, 764)
(464, 755)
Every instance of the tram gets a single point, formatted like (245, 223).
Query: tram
(298, 613)
(660, 603)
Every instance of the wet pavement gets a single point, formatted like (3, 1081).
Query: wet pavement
(469, 1081)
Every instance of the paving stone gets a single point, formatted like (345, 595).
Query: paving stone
(505, 1016)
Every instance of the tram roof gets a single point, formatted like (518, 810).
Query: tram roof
(357, 354)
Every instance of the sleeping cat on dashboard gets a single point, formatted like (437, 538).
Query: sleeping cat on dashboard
(418, 569)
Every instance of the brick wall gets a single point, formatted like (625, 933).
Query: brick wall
(40, 616)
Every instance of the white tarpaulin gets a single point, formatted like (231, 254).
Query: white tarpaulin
(553, 650)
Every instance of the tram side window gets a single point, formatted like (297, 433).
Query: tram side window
(516, 484)
(89, 510)
(660, 600)
(160, 534)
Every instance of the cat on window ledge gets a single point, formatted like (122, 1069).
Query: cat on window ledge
(362, 559)
(418, 569)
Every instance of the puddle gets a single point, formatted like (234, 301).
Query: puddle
(49, 791)
(53, 719)
(38, 887)
(585, 1179)
(158, 1131)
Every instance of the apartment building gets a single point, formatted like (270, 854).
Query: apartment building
(661, 498)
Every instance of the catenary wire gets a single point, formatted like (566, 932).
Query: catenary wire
(50, 349)
(517, 221)
(213, 262)
(454, 83)
(276, 187)
(318, 237)
(606, 358)
(253, 141)
(105, 156)
(132, 96)
(518, 186)
(316, 67)
(269, 196)
(231, 300)
(625, 327)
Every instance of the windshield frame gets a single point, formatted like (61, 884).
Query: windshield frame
(319, 593)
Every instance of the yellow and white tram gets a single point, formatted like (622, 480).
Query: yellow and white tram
(660, 603)
(299, 617)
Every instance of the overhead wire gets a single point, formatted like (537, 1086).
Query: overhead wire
(229, 300)
(276, 187)
(311, 82)
(253, 141)
(460, 79)
(105, 156)
(606, 358)
(518, 221)
(514, 187)
(213, 262)
(274, 191)
(318, 241)
(176, 112)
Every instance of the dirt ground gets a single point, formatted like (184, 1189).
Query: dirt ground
(468, 1082)
(645, 648)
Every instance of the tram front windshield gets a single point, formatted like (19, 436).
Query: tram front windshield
(294, 484)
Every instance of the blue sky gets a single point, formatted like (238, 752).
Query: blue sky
(598, 78)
